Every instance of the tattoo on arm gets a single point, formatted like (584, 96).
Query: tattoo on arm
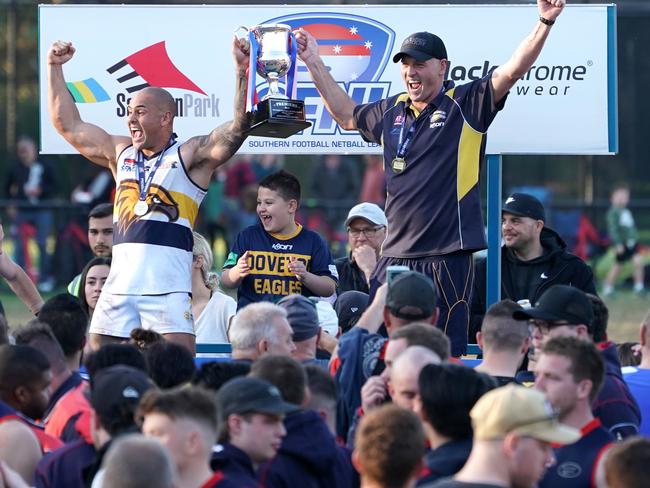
(241, 120)
(228, 137)
(223, 137)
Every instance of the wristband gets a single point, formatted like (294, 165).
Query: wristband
(546, 21)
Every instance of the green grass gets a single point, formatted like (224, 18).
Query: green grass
(16, 312)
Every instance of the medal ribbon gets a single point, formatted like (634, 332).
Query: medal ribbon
(290, 90)
(405, 142)
(144, 185)
(251, 99)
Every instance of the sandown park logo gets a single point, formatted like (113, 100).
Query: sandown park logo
(150, 66)
(355, 49)
(87, 91)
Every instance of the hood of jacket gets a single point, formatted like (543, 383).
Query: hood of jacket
(552, 243)
(309, 441)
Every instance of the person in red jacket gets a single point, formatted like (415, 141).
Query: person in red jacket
(24, 390)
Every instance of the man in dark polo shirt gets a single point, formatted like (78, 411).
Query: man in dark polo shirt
(366, 226)
(433, 138)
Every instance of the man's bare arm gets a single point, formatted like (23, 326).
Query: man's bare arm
(338, 103)
(506, 75)
(206, 153)
(18, 281)
(90, 140)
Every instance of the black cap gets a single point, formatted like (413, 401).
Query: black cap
(116, 391)
(302, 316)
(412, 296)
(422, 46)
(349, 306)
(560, 303)
(524, 205)
(251, 395)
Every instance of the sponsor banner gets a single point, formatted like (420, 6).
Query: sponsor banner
(565, 104)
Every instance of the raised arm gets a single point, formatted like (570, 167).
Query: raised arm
(18, 281)
(206, 153)
(506, 75)
(338, 103)
(91, 141)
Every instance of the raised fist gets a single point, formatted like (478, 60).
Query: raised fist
(60, 52)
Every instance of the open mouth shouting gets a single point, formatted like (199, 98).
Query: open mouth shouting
(136, 134)
(414, 87)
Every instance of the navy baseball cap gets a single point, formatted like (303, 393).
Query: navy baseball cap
(411, 296)
(560, 303)
(349, 306)
(302, 316)
(422, 46)
(116, 391)
(524, 205)
(251, 395)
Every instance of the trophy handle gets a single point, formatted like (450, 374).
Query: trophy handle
(243, 28)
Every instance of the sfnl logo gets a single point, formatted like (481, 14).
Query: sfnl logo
(355, 49)
(150, 66)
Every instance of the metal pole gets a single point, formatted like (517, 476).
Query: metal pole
(493, 293)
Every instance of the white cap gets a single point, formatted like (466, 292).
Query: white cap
(367, 211)
(327, 318)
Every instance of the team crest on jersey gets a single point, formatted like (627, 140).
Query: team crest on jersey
(158, 199)
(398, 120)
(437, 119)
(128, 165)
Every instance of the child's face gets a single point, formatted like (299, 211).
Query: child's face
(621, 197)
(275, 213)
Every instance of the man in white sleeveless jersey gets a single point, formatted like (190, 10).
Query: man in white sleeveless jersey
(160, 184)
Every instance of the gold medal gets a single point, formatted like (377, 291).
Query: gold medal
(398, 164)
(140, 208)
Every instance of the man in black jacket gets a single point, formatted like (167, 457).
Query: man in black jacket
(533, 258)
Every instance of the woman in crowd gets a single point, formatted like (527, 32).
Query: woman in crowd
(93, 278)
(211, 308)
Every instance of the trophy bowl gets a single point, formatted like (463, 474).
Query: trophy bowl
(273, 58)
(273, 54)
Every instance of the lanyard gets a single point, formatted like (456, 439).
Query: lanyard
(144, 185)
(405, 141)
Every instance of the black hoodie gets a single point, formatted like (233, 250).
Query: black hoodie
(309, 457)
(530, 279)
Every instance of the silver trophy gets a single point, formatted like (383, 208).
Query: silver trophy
(273, 56)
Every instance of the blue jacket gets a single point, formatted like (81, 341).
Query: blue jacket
(235, 465)
(615, 406)
(65, 466)
(360, 355)
(445, 461)
(309, 457)
(576, 463)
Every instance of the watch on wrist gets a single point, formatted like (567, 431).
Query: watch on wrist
(546, 21)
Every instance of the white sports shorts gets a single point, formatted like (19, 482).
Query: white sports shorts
(118, 315)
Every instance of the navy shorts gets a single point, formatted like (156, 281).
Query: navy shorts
(627, 253)
(453, 276)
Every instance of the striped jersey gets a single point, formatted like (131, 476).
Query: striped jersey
(433, 206)
(152, 254)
